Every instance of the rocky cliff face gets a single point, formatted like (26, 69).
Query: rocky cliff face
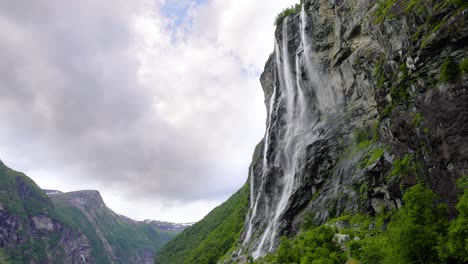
(30, 231)
(74, 227)
(116, 238)
(364, 99)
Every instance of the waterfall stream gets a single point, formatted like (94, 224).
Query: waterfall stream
(301, 96)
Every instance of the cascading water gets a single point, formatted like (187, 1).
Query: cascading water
(253, 199)
(301, 103)
(326, 94)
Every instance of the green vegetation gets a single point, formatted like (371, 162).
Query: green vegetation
(287, 12)
(77, 220)
(19, 195)
(382, 11)
(379, 73)
(457, 242)
(418, 117)
(417, 233)
(398, 87)
(362, 139)
(464, 66)
(22, 199)
(449, 71)
(4, 258)
(126, 238)
(402, 167)
(375, 154)
(210, 239)
(312, 246)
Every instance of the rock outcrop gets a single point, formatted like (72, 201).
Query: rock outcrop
(30, 230)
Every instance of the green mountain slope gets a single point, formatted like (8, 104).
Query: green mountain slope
(123, 239)
(23, 207)
(69, 227)
(212, 237)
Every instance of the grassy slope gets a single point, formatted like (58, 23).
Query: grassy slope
(212, 237)
(32, 201)
(125, 237)
(21, 197)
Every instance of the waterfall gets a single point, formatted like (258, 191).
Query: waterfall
(323, 90)
(295, 108)
(300, 101)
(253, 199)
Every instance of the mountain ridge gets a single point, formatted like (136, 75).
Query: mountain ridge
(70, 227)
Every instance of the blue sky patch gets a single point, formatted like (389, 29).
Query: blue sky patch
(177, 11)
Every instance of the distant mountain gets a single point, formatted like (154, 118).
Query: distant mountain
(168, 226)
(48, 192)
(49, 226)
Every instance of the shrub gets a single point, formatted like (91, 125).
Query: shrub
(287, 12)
(457, 242)
(382, 10)
(449, 71)
(464, 66)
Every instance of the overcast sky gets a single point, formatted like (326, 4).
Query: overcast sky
(156, 104)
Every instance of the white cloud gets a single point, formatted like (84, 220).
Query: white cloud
(159, 114)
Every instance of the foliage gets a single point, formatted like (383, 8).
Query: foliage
(211, 238)
(383, 7)
(4, 258)
(379, 73)
(315, 246)
(402, 167)
(287, 12)
(21, 196)
(417, 228)
(449, 71)
(457, 241)
(125, 237)
(418, 117)
(464, 66)
(375, 154)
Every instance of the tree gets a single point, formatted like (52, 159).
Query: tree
(418, 228)
(457, 242)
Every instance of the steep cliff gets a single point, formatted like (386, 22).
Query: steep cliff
(74, 227)
(365, 99)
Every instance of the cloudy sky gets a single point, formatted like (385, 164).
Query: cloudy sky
(156, 104)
